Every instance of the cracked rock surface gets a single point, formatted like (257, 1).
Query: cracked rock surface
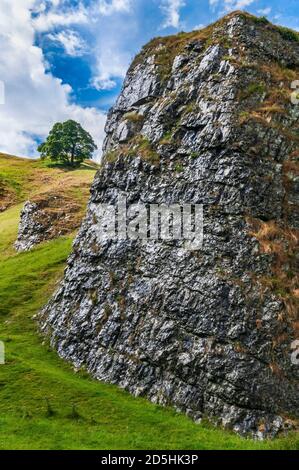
(203, 118)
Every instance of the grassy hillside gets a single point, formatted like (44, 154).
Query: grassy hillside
(21, 177)
(43, 403)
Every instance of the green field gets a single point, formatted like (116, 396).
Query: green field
(44, 404)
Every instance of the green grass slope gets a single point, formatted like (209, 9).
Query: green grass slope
(22, 177)
(44, 404)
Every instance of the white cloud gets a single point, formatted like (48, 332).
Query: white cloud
(230, 5)
(101, 83)
(114, 6)
(112, 62)
(55, 16)
(113, 41)
(34, 99)
(240, 4)
(199, 26)
(112, 59)
(171, 8)
(265, 11)
(60, 13)
(71, 41)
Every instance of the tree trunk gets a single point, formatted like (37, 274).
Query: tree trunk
(72, 155)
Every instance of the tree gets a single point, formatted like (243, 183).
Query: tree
(68, 143)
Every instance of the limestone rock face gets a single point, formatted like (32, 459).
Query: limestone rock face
(46, 217)
(203, 118)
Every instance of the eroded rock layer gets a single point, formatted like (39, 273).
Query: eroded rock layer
(203, 118)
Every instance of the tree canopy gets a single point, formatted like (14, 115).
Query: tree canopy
(67, 143)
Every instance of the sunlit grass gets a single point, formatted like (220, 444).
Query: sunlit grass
(34, 378)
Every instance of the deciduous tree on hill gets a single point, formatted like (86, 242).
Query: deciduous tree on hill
(68, 143)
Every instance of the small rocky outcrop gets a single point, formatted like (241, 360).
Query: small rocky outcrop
(203, 118)
(45, 217)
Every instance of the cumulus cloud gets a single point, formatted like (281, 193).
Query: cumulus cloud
(55, 13)
(58, 15)
(34, 99)
(114, 6)
(71, 41)
(114, 42)
(110, 55)
(239, 4)
(230, 5)
(112, 62)
(171, 8)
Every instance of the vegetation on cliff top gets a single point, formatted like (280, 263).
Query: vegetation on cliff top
(165, 49)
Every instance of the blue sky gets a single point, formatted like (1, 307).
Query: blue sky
(67, 58)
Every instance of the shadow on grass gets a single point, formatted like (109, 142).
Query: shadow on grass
(86, 165)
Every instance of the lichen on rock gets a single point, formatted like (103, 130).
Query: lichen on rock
(209, 331)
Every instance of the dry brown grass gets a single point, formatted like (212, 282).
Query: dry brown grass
(280, 75)
(58, 213)
(22, 179)
(272, 108)
(281, 243)
(291, 166)
(133, 117)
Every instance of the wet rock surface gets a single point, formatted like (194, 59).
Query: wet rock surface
(209, 331)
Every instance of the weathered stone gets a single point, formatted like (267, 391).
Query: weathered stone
(208, 331)
(46, 217)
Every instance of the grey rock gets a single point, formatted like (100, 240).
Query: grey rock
(205, 331)
(48, 216)
(30, 233)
